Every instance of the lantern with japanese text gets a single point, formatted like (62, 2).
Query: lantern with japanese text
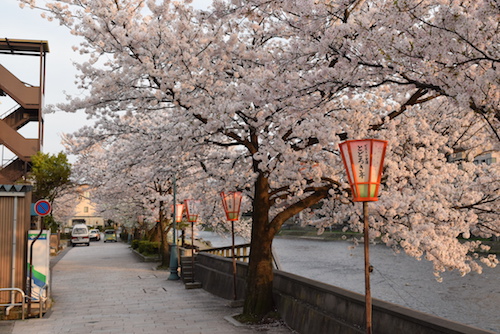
(178, 212)
(192, 212)
(232, 203)
(363, 160)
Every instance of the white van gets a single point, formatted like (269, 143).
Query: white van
(80, 235)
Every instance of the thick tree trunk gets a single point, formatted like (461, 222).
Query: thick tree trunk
(259, 298)
(164, 247)
(137, 234)
(154, 234)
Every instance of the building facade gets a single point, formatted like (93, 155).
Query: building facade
(487, 157)
(85, 212)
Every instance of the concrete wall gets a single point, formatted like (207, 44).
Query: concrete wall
(309, 306)
(216, 275)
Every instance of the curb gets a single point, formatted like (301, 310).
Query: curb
(144, 258)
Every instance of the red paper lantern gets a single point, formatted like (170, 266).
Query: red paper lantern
(179, 208)
(232, 203)
(363, 160)
(192, 209)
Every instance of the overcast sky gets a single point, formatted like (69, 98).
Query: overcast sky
(17, 23)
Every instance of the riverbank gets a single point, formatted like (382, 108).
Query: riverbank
(397, 278)
(334, 235)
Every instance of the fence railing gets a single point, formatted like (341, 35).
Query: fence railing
(241, 253)
(12, 304)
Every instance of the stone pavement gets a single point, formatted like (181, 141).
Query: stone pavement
(105, 289)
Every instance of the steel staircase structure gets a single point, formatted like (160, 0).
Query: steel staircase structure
(30, 101)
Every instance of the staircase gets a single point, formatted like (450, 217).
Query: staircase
(27, 96)
(187, 272)
(29, 99)
(22, 147)
(20, 117)
(15, 170)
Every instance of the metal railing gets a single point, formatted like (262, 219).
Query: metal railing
(241, 253)
(9, 111)
(4, 162)
(12, 304)
(40, 297)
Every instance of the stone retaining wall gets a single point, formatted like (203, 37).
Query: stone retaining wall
(216, 275)
(309, 306)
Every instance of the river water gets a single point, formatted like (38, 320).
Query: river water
(397, 278)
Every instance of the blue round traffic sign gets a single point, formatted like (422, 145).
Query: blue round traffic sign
(42, 207)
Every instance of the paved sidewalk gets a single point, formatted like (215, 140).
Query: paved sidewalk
(105, 289)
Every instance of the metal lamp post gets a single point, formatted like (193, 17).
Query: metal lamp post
(192, 213)
(177, 218)
(232, 203)
(363, 160)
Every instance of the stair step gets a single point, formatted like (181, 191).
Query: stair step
(187, 271)
(193, 285)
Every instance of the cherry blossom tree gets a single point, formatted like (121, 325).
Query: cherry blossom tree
(256, 95)
(64, 206)
(131, 162)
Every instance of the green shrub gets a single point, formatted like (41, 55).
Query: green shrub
(135, 244)
(148, 247)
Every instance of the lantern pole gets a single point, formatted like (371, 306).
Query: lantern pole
(192, 252)
(363, 160)
(232, 202)
(192, 211)
(234, 260)
(368, 270)
(174, 264)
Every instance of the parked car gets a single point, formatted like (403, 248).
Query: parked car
(80, 235)
(95, 235)
(110, 235)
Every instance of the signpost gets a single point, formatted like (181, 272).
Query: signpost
(42, 207)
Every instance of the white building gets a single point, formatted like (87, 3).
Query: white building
(85, 210)
(487, 157)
